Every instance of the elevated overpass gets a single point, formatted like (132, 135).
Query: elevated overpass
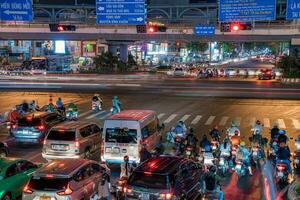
(264, 33)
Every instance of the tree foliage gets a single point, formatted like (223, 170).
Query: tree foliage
(197, 47)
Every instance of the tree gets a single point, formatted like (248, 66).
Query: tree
(197, 47)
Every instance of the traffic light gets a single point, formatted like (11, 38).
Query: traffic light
(235, 26)
(225, 27)
(156, 27)
(141, 29)
(61, 27)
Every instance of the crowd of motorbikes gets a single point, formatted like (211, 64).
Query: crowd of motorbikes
(231, 155)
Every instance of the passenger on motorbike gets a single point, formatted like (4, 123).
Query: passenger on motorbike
(215, 134)
(180, 128)
(116, 104)
(211, 182)
(283, 155)
(244, 154)
(205, 144)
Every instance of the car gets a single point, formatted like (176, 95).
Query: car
(65, 179)
(164, 177)
(179, 72)
(266, 74)
(126, 132)
(14, 175)
(73, 140)
(33, 127)
(3, 149)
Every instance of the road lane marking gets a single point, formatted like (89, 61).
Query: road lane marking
(237, 121)
(85, 113)
(94, 115)
(35, 156)
(281, 123)
(252, 121)
(161, 115)
(210, 120)
(170, 118)
(196, 120)
(184, 118)
(267, 123)
(223, 121)
(296, 123)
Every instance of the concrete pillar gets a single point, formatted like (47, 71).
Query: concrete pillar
(124, 52)
(112, 49)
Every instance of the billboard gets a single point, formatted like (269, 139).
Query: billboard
(293, 9)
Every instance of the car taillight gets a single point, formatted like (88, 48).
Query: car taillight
(41, 127)
(27, 190)
(67, 191)
(77, 144)
(165, 196)
(45, 142)
(14, 126)
(127, 190)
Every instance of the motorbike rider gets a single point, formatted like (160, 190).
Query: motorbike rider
(205, 144)
(211, 182)
(225, 148)
(282, 138)
(191, 138)
(233, 129)
(116, 104)
(235, 139)
(126, 167)
(51, 108)
(215, 134)
(60, 104)
(244, 154)
(33, 106)
(180, 128)
(257, 131)
(283, 155)
(97, 99)
(274, 131)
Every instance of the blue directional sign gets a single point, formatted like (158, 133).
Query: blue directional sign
(247, 10)
(16, 10)
(120, 12)
(293, 9)
(204, 30)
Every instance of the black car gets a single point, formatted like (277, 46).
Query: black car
(3, 149)
(164, 177)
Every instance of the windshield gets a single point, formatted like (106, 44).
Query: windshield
(48, 184)
(178, 69)
(145, 180)
(119, 135)
(61, 135)
(29, 122)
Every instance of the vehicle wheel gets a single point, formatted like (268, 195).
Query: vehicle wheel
(87, 154)
(7, 197)
(3, 153)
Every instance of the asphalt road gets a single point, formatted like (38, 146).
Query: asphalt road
(202, 113)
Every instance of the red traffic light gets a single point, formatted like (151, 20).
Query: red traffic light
(151, 30)
(60, 28)
(235, 27)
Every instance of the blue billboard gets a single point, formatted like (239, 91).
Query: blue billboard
(120, 12)
(204, 30)
(247, 11)
(293, 9)
(16, 10)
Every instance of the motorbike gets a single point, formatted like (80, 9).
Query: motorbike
(272, 153)
(96, 106)
(233, 131)
(189, 152)
(72, 114)
(119, 188)
(208, 158)
(257, 155)
(240, 168)
(215, 146)
(209, 195)
(281, 175)
(223, 166)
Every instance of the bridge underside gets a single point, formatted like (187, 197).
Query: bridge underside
(142, 37)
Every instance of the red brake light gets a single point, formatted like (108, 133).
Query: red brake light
(27, 190)
(280, 167)
(41, 127)
(77, 144)
(67, 191)
(45, 142)
(147, 173)
(14, 126)
(127, 190)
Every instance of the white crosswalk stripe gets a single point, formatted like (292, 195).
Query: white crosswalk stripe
(196, 120)
(238, 121)
(210, 120)
(252, 121)
(223, 121)
(296, 123)
(95, 115)
(161, 115)
(267, 123)
(185, 117)
(170, 118)
(281, 123)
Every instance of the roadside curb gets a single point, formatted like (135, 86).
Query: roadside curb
(291, 191)
(290, 81)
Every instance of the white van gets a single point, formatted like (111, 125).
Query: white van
(125, 133)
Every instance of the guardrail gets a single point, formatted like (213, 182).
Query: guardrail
(290, 81)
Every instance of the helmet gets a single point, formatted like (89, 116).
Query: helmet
(213, 169)
(282, 132)
(233, 124)
(242, 144)
(257, 122)
(115, 97)
(59, 98)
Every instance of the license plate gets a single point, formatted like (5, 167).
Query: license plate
(214, 147)
(59, 147)
(188, 153)
(254, 153)
(145, 196)
(25, 132)
(45, 198)
(238, 167)
(280, 174)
